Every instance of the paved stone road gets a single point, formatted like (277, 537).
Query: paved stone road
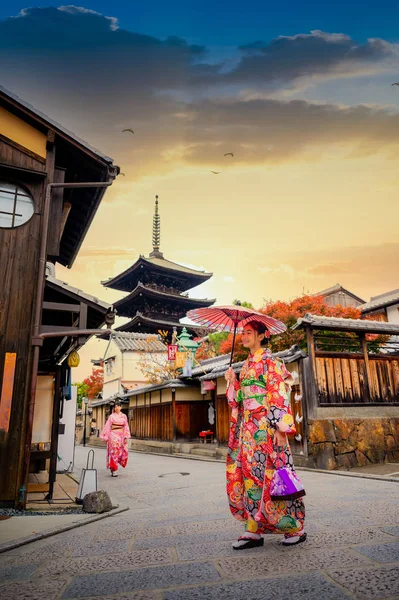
(175, 543)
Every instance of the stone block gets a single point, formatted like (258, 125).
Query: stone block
(382, 553)
(324, 456)
(362, 460)
(97, 502)
(309, 587)
(371, 440)
(344, 428)
(321, 431)
(393, 456)
(370, 583)
(346, 461)
(344, 446)
(390, 443)
(140, 579)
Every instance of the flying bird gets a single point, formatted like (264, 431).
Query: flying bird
(216, 172)
(130, 130)
(298, 419)
(297, 397)
(396, 83)
(229, 154)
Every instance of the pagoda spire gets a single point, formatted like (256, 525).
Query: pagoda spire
(156, 232)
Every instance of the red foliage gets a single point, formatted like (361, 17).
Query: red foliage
(94, 383)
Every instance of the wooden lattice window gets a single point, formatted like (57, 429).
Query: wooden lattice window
(16, 205)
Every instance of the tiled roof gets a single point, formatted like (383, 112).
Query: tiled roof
(144, 342)
(171, 383)
(338, 324)
(381, 301)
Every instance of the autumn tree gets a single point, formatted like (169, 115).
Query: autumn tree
(155, 365)
(91, 386)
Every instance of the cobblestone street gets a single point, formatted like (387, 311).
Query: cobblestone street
(174, 542)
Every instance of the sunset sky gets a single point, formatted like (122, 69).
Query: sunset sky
(303, 98)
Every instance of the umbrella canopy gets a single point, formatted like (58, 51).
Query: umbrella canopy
(234, 317)
(231, 317)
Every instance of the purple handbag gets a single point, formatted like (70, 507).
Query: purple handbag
(285, 483)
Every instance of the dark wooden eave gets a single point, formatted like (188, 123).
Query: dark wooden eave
(182, 277)
(148, 325)
(125, 305)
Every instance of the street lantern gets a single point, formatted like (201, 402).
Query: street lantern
(86, 402)
(189, 347)
(186, 344)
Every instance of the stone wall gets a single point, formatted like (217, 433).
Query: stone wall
(346, 443)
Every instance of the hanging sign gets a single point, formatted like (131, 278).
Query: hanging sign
(172, 350)
(180, 359)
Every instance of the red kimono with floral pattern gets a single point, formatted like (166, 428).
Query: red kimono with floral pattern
(260, 404)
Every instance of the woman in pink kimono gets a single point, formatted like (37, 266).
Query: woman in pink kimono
(261, 418)
(116, 433)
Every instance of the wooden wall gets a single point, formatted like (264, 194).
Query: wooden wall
(223, 417)
(350, 379)
(18, 277)
(153, 422)
(156, 422)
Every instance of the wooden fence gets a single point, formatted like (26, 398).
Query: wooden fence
(356, 379)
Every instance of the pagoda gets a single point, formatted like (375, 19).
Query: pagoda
(157, 290)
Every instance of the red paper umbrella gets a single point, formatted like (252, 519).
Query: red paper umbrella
(233, 317)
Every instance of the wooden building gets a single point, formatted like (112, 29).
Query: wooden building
(350, 388)
(339, 296)
(384, 307)
(51, 184)
(157, 290)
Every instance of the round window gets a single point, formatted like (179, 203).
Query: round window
(16, 205)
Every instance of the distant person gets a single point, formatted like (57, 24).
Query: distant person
(116, 433)
(261, 418)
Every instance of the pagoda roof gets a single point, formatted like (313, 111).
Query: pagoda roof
(141, 290)
(152, 325)
(129, 278)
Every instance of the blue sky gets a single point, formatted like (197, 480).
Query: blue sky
(235, 22)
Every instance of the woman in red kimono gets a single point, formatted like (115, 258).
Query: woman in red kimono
(116, 433)
(261, 418)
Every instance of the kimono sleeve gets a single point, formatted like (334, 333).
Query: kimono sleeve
(126, 430)
(234, 394)
(277, 397)
(104, 435)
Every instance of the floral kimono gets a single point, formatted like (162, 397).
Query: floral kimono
(116, 433)
(260, 401)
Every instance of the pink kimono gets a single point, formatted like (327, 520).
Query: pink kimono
(116, 433)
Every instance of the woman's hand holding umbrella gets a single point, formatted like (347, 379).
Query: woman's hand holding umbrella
(230, 376)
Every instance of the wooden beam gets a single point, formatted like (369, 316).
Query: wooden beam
(75, 308)
(174, 437)
(55, 328)
(54, 433)
(7, 390)
(367, 374)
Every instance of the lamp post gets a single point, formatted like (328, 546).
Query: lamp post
(86, 402)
